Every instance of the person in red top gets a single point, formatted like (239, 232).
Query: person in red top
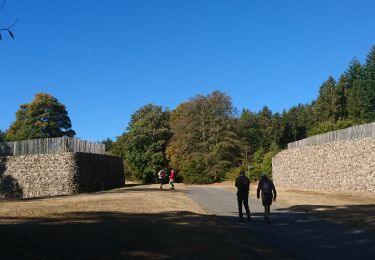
(171, 179)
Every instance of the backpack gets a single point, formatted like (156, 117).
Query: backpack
(243, 182)
(267, 187)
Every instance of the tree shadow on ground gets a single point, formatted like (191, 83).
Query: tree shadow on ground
(9, 186)
(357, 216)
(98, 235)
(308, 237)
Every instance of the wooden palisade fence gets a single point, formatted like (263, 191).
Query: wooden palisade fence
(50, 145)
(355, 132)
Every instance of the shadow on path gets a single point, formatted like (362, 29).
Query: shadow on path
(98, 235)
(361, 217)
(300, 234)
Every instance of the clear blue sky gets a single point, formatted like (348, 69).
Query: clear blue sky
(106, 59)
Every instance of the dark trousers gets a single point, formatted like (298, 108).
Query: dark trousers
(243, 199)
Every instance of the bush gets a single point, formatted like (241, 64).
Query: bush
(193, 171)
(233, 173)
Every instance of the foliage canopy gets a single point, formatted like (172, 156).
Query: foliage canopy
(44, 117)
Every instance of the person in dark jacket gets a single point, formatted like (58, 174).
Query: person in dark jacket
(268, 192)
(243, 186)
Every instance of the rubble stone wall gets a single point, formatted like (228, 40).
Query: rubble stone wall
(338, 166)
(43, 175)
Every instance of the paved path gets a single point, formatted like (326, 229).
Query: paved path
(301, 235)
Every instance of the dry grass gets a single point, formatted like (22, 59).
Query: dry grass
(350, 208)
(142, 199)
(134, 222)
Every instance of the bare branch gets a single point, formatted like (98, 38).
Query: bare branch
(2, 4)
(9, 27)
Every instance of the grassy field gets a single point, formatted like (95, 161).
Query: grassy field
(133, 222)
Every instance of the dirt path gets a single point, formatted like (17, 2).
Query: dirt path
(138, 222)
(300, 234)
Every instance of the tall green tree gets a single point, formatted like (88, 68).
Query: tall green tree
(143, 145)
(355, 89)
(295, 124)
(44, 117)
(369, 95)
(205, 144)
(265, 118)
(249, 130)
(326, 105)
(342, 98)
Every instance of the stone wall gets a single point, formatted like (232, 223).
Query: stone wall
(58, 174)
(339, 166)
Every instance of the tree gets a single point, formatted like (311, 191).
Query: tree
(295, 123)
(249, 131)
(143, 145)
(329, 126)
(265, 122)
(44, 117)
(108, 143)
(9, 27)
(205, 144)
(342, 98)
(354, 81)
(326, 105)
(266, 165)
(369, 91)
(2, 136)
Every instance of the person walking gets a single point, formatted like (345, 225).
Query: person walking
(268, 192)
(161, 176)
(171, 179)
(243, 186)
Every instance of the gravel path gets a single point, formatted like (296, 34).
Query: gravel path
(299, 234)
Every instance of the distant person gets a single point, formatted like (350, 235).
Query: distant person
(171, 179)
(161, 176)
(268, 194)
(243, 187)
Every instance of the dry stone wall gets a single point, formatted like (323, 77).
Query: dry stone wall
(58, 174)
(338, 166)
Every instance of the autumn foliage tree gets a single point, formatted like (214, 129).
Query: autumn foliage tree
(44, 117)
(204, 145)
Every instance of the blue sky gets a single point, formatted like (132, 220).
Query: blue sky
(106, 59)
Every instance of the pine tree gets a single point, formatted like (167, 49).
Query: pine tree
(326, 105)
(342, 98)
(369, 92)
(355, 87)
